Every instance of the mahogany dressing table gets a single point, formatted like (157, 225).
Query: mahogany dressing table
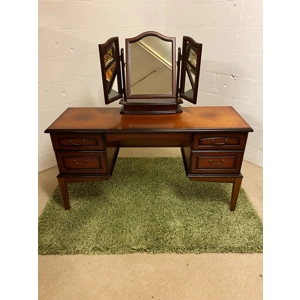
(151, 87)
(86, 141)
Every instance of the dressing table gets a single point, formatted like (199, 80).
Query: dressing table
(212, 139)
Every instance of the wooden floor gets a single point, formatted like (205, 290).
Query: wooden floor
(160, 276)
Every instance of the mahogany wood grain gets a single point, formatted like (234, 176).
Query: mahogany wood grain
(212, 139)
(64, 192)
(192, 119)
(208, 162)
(148, 140)
(235, 192)
(236, 185)
(77, 141)
(206, 141)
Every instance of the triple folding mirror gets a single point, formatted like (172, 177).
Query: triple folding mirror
(150, 80)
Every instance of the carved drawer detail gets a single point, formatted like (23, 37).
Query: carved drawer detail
(77, 141)
(233, 141)
(81, 162)
(216, 162)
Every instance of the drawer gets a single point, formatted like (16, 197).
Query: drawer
(77, 141)
(138, 107)
(148, 139)
(164, 107)
(81, 162)
(207, 162)
(220, 140)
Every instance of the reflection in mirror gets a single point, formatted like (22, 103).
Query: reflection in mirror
(110, 66)
(191, 65)
(109, 58)
(150, 67)
(188, 86)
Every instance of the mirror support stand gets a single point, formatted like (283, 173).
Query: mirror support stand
(178, 73)
(123, 73)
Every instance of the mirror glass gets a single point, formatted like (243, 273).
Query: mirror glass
(150, 67)
(188, 88)
(110, 69)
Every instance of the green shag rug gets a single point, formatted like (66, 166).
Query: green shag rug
(149, 205)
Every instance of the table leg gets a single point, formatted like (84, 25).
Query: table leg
(64, 192)
(235, 192)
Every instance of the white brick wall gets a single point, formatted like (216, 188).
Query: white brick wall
(232, 62)
(69, 69)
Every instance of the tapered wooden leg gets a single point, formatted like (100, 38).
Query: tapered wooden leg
(235, 192)
(64, 192)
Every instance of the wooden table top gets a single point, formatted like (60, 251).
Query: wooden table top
(109, 119)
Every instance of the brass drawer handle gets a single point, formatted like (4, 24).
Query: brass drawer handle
(81, 163)
(76, 144)
(222, 143)
(217, 163)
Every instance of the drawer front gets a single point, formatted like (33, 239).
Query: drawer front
(218, 162)
(77, 141)
(232, 141)
(148, 139)
(81, 162)
(138, 107)
(164, 107)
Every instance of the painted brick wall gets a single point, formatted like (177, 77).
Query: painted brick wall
(69, 70)
(232, 65)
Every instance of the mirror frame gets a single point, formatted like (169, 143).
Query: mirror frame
(117, 75)
(128, 41)
(197, 48)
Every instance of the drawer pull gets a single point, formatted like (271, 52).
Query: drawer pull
(222, 143)
(76, 144)
(81, 163)
(217, 163)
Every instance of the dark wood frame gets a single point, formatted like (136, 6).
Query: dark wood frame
(197, 48)
(128, 41)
